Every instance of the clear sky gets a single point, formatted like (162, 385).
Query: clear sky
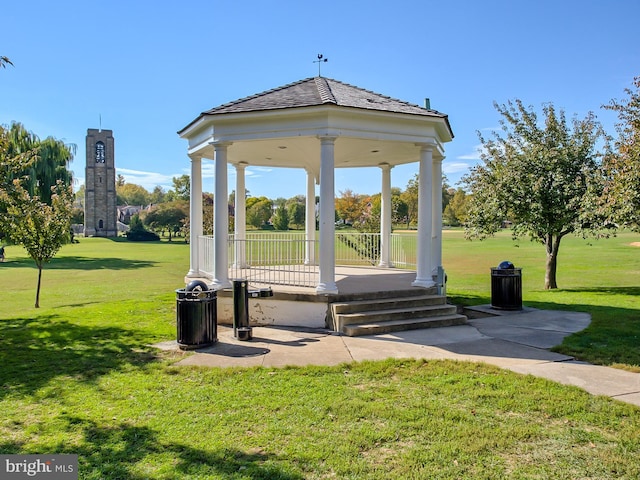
(146, 69)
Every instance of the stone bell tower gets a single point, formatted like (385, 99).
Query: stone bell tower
(100, 214)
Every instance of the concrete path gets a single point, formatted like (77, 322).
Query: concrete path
(517, 341)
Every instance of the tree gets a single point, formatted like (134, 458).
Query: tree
(543, 178)
(455, 213)
(621, 196)
(137, 232)
(259, 211)
(35, 194)
(169, 216)
(349, 206)
(4, 61)
(296, 211)
(181, 188)
(50, 161)
(157, 195)
(41, 228)
(281, 218)
(410, 199)
(132, 194)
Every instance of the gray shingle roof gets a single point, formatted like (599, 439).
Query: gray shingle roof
(319, 91)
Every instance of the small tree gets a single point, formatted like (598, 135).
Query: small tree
(41, 228)
(545, 179)
(296, 212)
(621, 197)
(281, 218)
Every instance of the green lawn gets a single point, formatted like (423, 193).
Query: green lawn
(78, 376)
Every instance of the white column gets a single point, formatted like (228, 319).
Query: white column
(385, 217)
(436, 233)
(310, 220)
(240, 226)
(327, 281)
(221, 219)
(425, 222)
(195, 217)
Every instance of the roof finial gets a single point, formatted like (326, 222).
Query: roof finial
(319, 61)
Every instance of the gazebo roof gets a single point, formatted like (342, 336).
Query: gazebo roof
(280, 127)
(316, 91)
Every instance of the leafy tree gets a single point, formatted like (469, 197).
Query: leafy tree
(296, 212)
(50, 161)
(410, 199)
(77, 216)
(455, 213)
(181, 188)
(41, 228)
(350, 206)
(157, 195)
(120, 181)
(621, 197)
(259, 211)
(132, 194)
(369, 221)
(138, 233)
(168, 216)
(281, 218)
(542, 177)
(207, 214)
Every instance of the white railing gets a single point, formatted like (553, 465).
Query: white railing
(274, 259)
(290, 259)
(404, 247)
(357, 248)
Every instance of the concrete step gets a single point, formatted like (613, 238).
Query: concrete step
(387, 303)
(389, 326)
(375, 316)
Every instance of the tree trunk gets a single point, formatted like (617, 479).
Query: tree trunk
(38, 288)
(553, 245)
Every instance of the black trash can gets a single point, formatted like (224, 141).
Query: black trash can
(196, 317)
(506, 287)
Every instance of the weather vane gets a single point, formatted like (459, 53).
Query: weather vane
(319, 61)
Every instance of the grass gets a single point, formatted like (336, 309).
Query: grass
(601, 277)
(78, 376)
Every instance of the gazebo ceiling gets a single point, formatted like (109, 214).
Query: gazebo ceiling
(280, 127)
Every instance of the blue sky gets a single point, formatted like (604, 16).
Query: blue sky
(146, 69)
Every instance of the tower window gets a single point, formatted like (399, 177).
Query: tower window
(100, 156)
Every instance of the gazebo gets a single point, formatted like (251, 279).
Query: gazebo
(317, 124)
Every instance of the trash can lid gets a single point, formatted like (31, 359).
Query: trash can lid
(197, 285)
(506, 265)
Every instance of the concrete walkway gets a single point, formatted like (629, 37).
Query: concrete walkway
(517, 341)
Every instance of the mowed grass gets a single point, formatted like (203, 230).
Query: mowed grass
(601, 277)
(78, 376)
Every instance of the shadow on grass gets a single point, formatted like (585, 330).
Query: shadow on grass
(35, 352)
(124, 451)
(607, 290)
(83, 263)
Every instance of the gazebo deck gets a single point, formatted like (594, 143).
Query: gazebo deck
(352, 282)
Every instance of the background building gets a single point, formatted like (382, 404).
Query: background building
(100, 214)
